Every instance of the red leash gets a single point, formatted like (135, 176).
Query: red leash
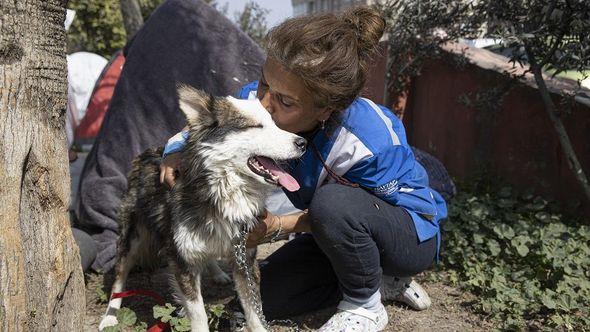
(160, 326)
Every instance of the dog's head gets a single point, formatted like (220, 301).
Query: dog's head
(238, 138)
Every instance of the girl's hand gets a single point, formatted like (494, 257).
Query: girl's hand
(267, 226)
(168, 168)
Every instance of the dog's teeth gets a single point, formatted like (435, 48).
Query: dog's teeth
(262, 171)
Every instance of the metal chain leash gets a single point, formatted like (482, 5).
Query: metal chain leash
(241, 254)
(241, 257)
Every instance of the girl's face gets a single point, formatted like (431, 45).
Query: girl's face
(285, 97)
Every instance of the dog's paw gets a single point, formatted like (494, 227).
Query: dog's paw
(107, 321)
(222, 278)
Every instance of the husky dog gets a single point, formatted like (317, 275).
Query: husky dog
(228, 170)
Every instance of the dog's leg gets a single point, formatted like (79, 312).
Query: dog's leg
(189, 286)
(217, 273)
(126, 261)
(244, 292)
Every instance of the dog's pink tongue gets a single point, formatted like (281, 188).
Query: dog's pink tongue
(285, 179)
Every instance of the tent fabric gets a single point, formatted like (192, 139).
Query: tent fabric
(182, 42)
(70, 15)
(100, 99)
(84, 69)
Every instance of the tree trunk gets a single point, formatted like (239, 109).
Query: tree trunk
(132, 18)
(555, 118)
(41, 280)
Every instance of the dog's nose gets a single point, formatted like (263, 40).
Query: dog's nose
(300, 143)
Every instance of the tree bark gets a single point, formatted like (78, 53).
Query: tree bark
(41, 280)
(132, 18)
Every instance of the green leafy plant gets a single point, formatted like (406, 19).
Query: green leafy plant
(252, 20)
(127, 320)
(98, 25)
(216, 312)
(166, 314)
(528, 267)
(102, 296)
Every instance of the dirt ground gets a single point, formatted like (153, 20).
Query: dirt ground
(450, 309)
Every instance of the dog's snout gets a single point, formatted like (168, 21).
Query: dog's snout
(300, 143)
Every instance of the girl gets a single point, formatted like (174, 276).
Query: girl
(370, 219)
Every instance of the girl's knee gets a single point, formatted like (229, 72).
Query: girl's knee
(325, 204)
(331, 206)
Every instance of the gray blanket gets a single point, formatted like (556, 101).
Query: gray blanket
(183, 41)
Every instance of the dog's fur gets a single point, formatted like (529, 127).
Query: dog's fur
(195, 222)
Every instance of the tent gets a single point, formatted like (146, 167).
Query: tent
(100, 98)
(83, 70)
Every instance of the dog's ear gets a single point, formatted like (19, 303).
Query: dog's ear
(194, 104)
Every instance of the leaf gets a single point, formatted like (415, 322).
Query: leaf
(217, 310)
(520, 240)
(163, 313)
(478, 211)
(477, 238)
(548, 301)
(538, 204)
(126, 317)
(115, 328)
(557, 320)
(141, 327)
(494, 247)
(506, 203)
(510, 217)
(101, 294)
(522, 250)
(527, 196)
(542, 216)
(183, 325)
(504, 231)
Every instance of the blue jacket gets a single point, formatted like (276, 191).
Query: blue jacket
(369, 147)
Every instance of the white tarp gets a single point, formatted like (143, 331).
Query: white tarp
(70, 14)
(84, 68)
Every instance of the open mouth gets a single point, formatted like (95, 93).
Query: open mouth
(272, 172)
(257, 168)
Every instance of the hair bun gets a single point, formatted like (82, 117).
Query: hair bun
(368, 26)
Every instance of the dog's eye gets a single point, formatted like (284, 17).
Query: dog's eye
(256, 126)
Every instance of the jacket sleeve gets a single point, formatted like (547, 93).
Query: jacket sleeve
(248, 91)
(176, 143)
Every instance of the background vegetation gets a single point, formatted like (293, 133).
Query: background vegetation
(98, 25)
(528, 262)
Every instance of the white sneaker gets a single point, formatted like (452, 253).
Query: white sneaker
(352, 318)
(405, 290)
